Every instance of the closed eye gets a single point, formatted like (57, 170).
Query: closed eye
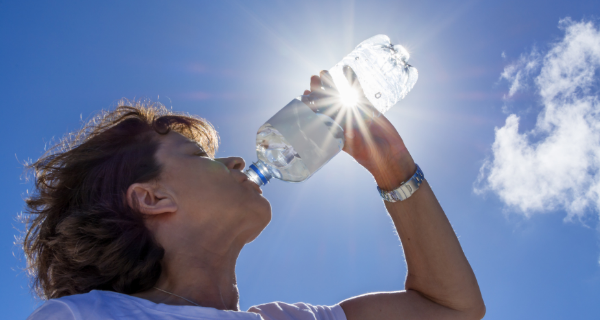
(198, 150)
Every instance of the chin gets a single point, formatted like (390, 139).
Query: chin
(263, 217)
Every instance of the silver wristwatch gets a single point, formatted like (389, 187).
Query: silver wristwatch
(405, 190)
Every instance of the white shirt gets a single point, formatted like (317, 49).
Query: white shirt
(96, 305)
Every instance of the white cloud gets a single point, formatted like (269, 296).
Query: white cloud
(518, 72)
(556, 165)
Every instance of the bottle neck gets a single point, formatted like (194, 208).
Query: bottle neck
(259, 173)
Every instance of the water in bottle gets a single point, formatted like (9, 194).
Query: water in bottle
(297, 141)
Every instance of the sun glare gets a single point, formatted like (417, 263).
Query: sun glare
(348, 95)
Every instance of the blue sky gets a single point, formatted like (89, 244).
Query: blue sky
(237, 62)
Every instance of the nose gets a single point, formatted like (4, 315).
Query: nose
(235, 163)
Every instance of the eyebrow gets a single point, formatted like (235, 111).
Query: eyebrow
(194, 143)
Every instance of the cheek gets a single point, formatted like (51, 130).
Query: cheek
(215, 167)
(192, 175)
(215, 192)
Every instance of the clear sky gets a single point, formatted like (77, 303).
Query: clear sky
(523, 201)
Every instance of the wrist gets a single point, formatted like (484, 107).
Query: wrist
(405, 190)
(392, 174)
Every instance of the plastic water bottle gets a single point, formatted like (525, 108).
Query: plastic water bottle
(297, 141)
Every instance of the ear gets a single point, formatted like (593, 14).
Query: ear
(150, 199)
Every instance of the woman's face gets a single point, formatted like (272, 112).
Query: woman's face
(216, 203)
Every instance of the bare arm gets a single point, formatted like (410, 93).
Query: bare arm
(440, 283)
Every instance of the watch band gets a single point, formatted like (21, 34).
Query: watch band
(405, 190)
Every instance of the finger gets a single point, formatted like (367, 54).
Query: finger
(315, 84)
(354, 83)
(365, 107)
(327, 80)
(353, 80)
(306, 92)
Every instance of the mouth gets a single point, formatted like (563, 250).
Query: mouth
(254, 185)
(257, 187)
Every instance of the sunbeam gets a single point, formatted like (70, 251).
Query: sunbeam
(278, 39)
(448, 19)
(348, 96)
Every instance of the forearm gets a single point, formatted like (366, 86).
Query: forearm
(440, 283)
(437, 266)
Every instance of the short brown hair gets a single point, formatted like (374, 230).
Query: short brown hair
(81, 234)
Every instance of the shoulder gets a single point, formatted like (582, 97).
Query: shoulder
(53, 310)
(298, 311)
(68, 307)
(91, 305)
(105, 305)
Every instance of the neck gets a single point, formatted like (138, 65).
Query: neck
(206, 278)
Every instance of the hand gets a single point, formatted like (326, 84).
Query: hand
(371, 140)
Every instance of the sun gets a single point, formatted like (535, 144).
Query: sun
(349, 98)
(348, 95)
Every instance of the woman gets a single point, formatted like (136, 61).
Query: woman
(133, 218)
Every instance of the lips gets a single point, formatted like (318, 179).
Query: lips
(257, 187)
(254, 185)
